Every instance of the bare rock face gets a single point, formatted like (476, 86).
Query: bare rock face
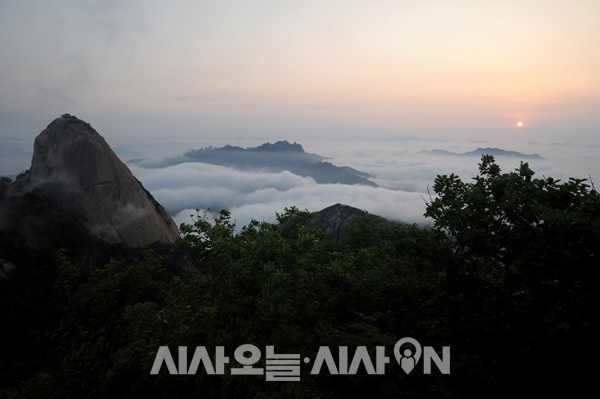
(76, 171)
(335, 219)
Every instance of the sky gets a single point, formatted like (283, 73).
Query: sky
(337, 67)
(369, 83)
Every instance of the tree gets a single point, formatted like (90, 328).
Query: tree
(524, 264)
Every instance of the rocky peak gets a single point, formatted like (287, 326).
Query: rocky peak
(335, 219)
(77, 172)
(281, 146)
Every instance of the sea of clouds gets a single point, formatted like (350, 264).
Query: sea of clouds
(402, 169)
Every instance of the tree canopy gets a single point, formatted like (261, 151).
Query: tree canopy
(507, 277)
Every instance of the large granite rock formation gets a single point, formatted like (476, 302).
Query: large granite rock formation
(75, 170)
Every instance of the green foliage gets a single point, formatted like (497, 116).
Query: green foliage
(507, 278)
(525, 265)
(515, 219)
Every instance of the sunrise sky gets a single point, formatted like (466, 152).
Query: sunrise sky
(469, 68)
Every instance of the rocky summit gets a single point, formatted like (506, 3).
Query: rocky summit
(77, 172)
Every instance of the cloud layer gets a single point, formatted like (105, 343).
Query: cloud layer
(404, 173)
(183, 188)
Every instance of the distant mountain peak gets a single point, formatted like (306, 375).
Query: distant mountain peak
(500, 152)
(273, 157)
(487, 151)
(280, 146)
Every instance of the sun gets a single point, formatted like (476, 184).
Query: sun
(519, 124)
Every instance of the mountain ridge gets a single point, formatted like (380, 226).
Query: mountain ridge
(486, 151)
(272, 157)
(336, 219)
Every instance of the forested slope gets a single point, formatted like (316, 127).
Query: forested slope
(507, 278)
